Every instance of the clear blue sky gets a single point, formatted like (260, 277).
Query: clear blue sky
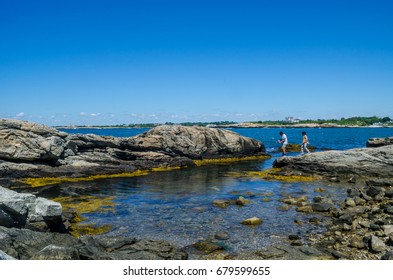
(110, 62)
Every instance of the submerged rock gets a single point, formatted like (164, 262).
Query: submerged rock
(252, 221)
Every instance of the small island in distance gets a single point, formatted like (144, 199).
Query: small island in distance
(373, 121)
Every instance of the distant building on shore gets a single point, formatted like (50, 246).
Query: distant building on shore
(292, 120)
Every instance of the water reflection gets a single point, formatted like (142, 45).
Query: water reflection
(177, 206)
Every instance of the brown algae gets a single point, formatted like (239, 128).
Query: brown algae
(201, 162)
(44, 181)
(273, 174)
(84, 205)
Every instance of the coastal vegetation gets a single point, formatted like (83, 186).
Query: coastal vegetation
(352, 121)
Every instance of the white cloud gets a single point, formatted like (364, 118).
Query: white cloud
(21, 114)
(94, 114)
(82, 114)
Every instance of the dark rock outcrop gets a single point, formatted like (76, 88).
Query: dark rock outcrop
(25, 244)
(32, 150)
(379, 142)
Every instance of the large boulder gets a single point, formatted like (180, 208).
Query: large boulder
(365, 162)
(26, 210)
(197, 142)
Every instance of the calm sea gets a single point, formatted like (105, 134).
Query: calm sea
(177, 206)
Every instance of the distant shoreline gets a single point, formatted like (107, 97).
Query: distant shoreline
(235, 125)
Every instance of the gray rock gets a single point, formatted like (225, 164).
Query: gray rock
(26, 244)
(53, 252)
(376, 244)
(207, 247)
(47, 208)
(357, 242)
(242, 201)
(4, 256)
(387, 256)
(373, 191)
(252, 221)
(389, 210)
(21, 209)
(350, 202)
(321, 207)
(387, 229)
(376, 162)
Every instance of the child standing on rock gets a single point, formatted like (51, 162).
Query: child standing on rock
(304, 143)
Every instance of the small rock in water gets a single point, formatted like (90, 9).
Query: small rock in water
(221, 235)
(304, 209)
(298, 222)
(242, 201)
(207, 247)
(320, 190)
(314, 220)
(252, 221)
(293, 237)
(222, 203)
(266, 199)
(284, 207)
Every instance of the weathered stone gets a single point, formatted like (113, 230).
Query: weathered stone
(350, 202)
(221, 235)
(373, 191)
(389, 210)
(387, 256)
(223, 203)
(365, 162)
(358, 210)
(52, 252)
(294, 237)
(252, 221)
(207, 247)
(4, 256)
(242, 201)
(284, 207)
(376, 244)
(346, 218)
(357, 242)
(320, 190)
(387, 229)
(322, 207)
(304, 209)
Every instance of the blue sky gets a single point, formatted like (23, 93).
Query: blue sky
(113, 62)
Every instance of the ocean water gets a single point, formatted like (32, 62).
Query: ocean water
(177, 205)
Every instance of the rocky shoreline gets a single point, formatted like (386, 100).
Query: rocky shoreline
(361, 227)
(33, 150)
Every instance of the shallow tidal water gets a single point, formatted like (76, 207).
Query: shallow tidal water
(176, 206)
